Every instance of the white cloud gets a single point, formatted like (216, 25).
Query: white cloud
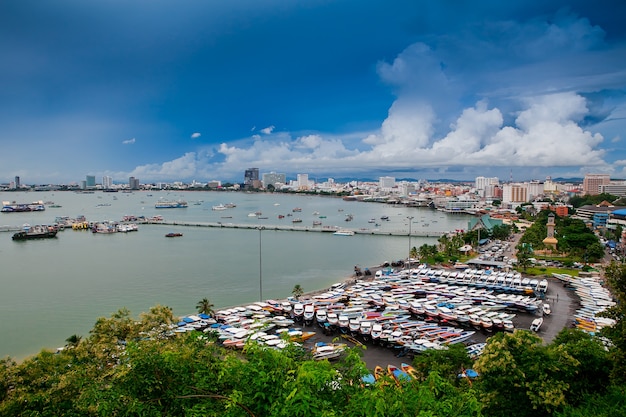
(184, 167)
(128, 141)
(268, 130)
(544, 135)
(462, 104)
(195, 135)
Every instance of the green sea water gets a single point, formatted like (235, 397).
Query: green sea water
(53, 288)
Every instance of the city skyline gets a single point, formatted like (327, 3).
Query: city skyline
(163, 91)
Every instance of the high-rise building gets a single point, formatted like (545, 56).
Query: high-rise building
(303, 181)
(90, 181)
(485, 186)
(534, 189)
(273, 178)
(386, 183)
(17, 181)
(514, 193)
(133, 183)
(592, 183)
(107, 182)
(251, 177)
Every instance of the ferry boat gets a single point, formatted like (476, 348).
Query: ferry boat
(36, 232)
(13, 207)
(170, 204)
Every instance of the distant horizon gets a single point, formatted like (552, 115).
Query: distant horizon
(324, 179)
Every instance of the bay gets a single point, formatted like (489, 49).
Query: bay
(53, 288)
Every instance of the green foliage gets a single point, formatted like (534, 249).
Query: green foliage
(297, 291)
(615, 275)
(150, 374)
(205, 306)
(447, 362)
(522, 377)
(501, 231)
(594, 363)
(574, 237)
(578, 201)
(609, 404)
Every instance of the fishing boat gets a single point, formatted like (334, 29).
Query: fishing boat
(35, 232)
(298, 312)
(309, 314)
(398, 374)
(412, 372)
(329, 351)
(536, 324)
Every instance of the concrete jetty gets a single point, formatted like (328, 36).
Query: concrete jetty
(295, 228)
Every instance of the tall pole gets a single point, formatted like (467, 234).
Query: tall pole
(260, 267)
(410, 221)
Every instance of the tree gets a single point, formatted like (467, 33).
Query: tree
(594, 363)
(519, 376)
(204, 306)
(73, 341)
(446, 362)
(524, 253)
(501, 232)
(297, 291)
(615, 275)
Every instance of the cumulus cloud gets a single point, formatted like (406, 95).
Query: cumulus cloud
(268, 130)
(195, 135)
(184, 167)
(128, 141)
(461, 105)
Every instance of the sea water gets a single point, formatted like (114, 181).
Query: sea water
(51, 289)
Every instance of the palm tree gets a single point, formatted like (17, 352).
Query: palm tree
(73, 340)
(205, 306)
(297, 291)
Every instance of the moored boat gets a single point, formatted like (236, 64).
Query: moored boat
(536, 324)
(13, 207)
(344, 233)
(35, 232)
(163, 204)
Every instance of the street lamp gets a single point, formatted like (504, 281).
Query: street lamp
(260, 266)
(410, 221)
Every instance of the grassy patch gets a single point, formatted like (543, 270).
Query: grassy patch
(547, 270)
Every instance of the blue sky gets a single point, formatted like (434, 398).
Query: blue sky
(168, 90)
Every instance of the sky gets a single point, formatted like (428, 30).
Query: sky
(183, 90)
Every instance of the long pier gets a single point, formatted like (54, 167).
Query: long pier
(294, 228)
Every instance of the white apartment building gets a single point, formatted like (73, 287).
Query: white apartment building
(485, 186)
(303, 182)
(534, 189)
(273, 178)
(386, 183)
